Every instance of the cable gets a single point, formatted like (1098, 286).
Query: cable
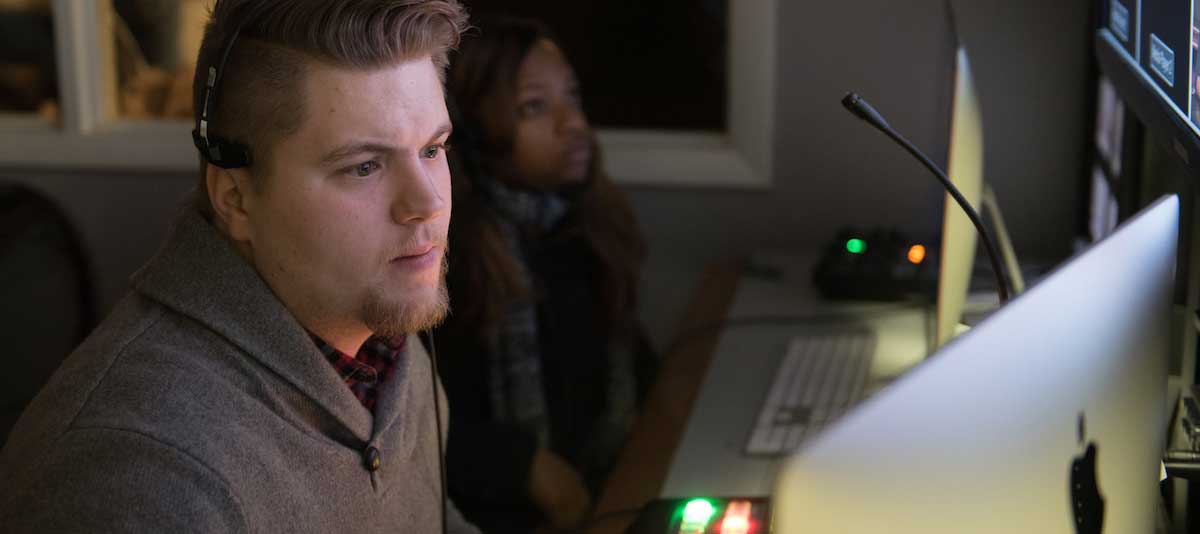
(437, 414)
(993, 256)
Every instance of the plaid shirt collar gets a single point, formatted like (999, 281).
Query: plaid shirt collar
(369, 369)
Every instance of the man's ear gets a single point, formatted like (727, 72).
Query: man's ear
(229, 191)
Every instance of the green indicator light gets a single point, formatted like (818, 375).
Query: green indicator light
(856, 246)
(697, 513)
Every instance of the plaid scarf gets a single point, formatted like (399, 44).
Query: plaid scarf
(515, 371)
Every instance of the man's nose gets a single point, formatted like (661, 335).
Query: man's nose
(418, 196)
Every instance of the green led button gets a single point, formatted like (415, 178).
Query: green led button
(856, 246)
(696, 515)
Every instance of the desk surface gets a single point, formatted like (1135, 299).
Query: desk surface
(644, 471)
(764, 287)
(774, 302)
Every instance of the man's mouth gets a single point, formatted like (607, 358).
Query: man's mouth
(416, 251)
(417, 257)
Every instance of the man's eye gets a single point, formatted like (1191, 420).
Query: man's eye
(432, 152)
(365, 169)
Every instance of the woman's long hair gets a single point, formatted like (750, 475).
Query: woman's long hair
(484, 275)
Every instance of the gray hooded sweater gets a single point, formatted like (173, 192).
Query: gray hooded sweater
(201, 405)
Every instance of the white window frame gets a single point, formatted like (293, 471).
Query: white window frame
(92, 137)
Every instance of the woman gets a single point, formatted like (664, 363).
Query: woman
(542, 359)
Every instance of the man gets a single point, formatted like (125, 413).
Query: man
(220, 395)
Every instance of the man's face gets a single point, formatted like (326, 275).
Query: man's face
(349, 230)
(552, 142)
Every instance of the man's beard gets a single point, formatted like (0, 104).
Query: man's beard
(391, 316)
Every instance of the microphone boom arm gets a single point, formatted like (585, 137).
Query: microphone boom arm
(857, 105)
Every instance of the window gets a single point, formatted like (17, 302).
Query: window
(28, 76)
(156, 44)
(702, 110)
(123, 87)
(657, 65)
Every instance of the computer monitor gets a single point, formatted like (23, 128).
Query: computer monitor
(993, 432)
(964, 168)
(1149, 49)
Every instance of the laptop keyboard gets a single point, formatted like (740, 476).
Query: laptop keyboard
(820, 378)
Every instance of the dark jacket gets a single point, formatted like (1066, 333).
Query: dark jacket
(489, 461)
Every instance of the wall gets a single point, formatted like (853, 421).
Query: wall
(1030, 62)
(1029, 58)
(121, 218)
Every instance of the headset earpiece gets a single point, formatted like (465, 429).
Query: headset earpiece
(216, 150)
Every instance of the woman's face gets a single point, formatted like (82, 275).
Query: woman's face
(552, 142)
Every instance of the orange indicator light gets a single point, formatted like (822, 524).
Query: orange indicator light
(916, 254)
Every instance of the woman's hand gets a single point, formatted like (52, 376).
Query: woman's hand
(558, 490)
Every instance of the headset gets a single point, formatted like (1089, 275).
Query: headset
(227, 154)
(218, 151)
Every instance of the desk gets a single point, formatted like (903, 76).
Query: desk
(643, 465)
(768, 285)
(646, 463)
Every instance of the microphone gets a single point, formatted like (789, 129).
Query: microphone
(859, 106)
(863, 110)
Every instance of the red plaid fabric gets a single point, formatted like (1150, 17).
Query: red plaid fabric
(369, 369)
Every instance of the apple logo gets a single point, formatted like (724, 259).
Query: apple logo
(1087, 504)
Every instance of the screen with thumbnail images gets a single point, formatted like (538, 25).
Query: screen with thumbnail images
(1162, 39)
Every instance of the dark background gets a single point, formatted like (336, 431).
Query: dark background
(650, 64)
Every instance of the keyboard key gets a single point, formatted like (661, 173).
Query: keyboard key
(819, 378)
